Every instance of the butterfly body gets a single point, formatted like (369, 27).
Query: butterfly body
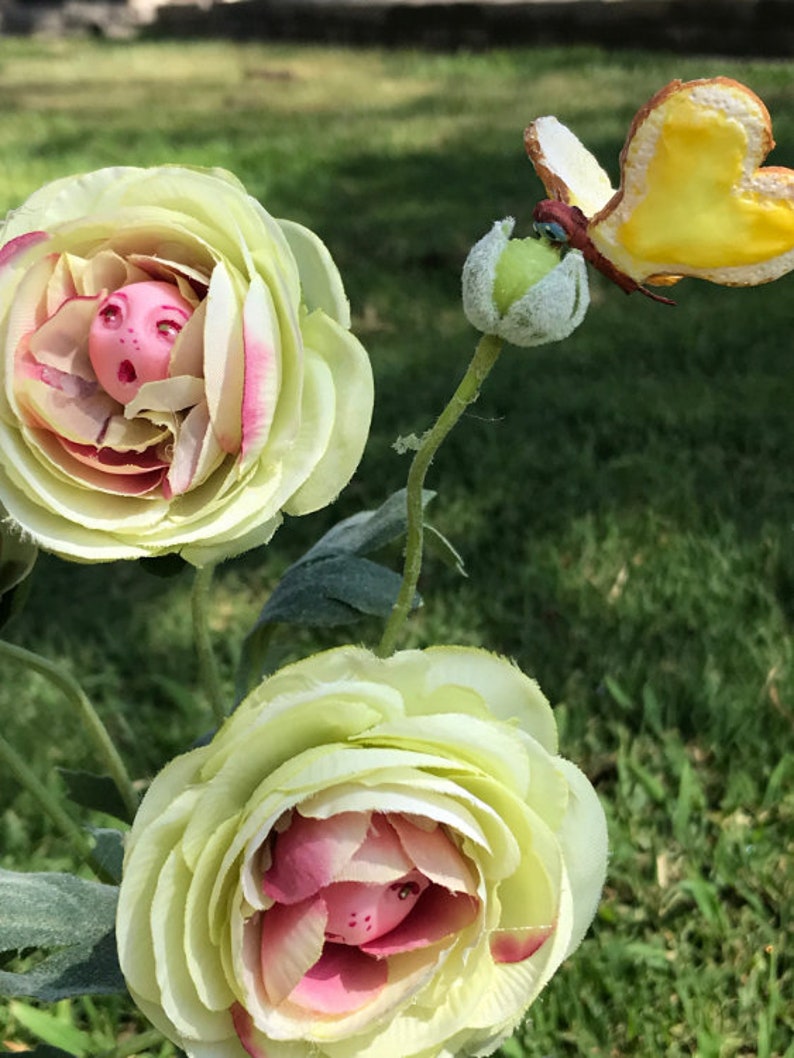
(553, 219)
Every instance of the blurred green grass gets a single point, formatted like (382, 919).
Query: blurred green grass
(623, 501)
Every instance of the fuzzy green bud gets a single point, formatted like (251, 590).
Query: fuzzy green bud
(522, 264)
(522, 289)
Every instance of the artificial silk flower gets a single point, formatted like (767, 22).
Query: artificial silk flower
(693, 199)
(177, 367)
(371, 859)
(522, 289)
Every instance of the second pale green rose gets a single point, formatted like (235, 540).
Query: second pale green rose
(371, 859)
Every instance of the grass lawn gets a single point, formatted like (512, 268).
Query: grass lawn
(624, 501)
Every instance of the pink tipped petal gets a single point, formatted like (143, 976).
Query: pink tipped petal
(62, 341)
(261, 378)
(223, 360)
(196, 453)
(292, 942)
(380, 859)
(518, 944)
(102, 477)
(62, 403)
(438, 914)
(244, 1027)
(130, 462)
(310, 853)
(17, 246)
(436, 855)
(342, 981)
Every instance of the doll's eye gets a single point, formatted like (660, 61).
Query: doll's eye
(551, 230)
(168, 329)
(111, 315)
(405, 889)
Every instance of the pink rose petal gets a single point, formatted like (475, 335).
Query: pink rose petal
(344, 979)
(261, 376)
(196, 452)
(244, 1027)
(62, 340)
(436, 855)
(16, 246)
(117, 462)
(291, 943)
(380, 858)
(62, 403)
(437, 914)
(517, 945)
(311, 852)
(223, 360)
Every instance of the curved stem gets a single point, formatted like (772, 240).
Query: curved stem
(485, 356)
(69, 828)
(208, 668)
(96, 730)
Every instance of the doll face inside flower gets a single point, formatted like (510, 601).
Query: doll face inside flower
(176, 368)
(350, 895)
(132, 335)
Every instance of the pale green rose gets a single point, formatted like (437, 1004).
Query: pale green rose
(371, 859)
(239, 395)
(522, 290)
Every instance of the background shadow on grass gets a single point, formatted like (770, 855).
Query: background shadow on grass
(622, 500)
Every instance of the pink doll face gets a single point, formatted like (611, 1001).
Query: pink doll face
(132, 335)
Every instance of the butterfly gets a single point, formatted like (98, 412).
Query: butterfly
(693, 198)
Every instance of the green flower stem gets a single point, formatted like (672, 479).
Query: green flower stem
(94, 727)
(208, 668)
(485, 356)
(71, 830)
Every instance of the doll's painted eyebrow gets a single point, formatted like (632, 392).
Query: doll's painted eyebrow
(175, 308)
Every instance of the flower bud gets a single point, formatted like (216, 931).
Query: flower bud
(522, 290)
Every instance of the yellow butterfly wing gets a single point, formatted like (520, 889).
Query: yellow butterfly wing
(693, 198)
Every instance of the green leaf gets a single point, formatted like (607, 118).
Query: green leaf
(333, 591)
(365, 532)
(333, 583)
(108, 851)
(52, 1029)
(97, 792)
(71, 921)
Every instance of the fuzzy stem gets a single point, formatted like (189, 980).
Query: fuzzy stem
(208, 667)
(91, 720)
(485, 356)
